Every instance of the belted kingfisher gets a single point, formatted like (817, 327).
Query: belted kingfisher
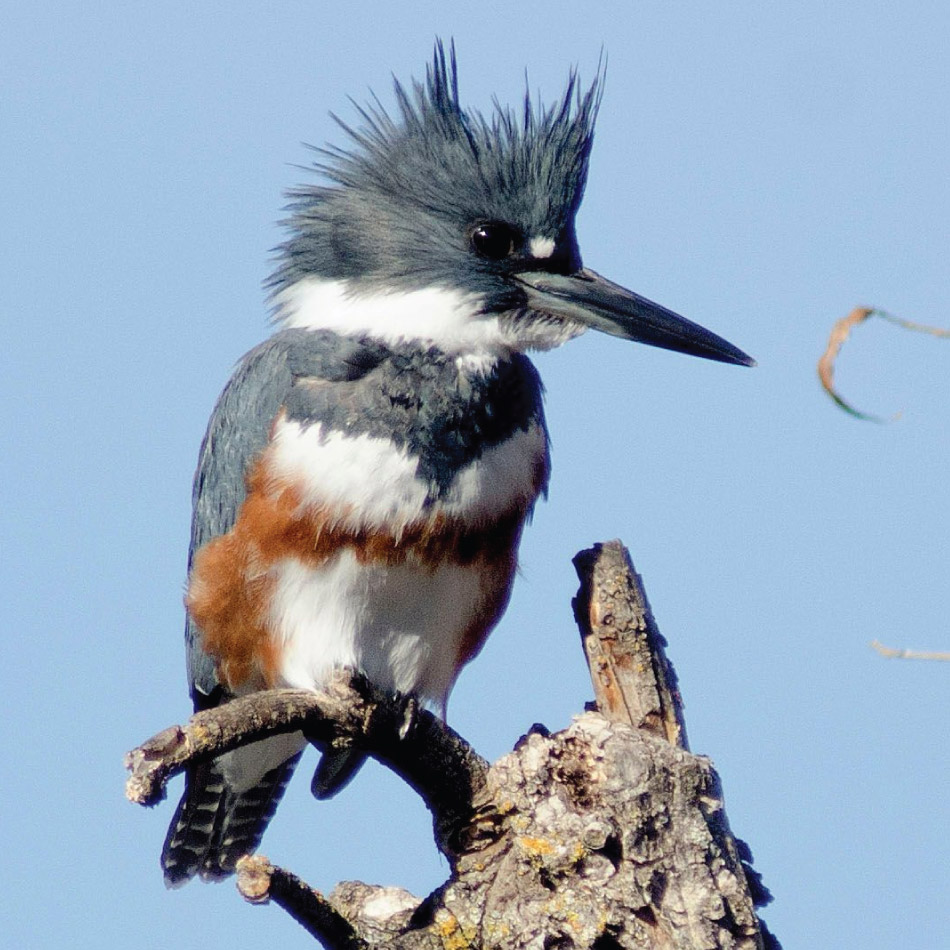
(367, 471)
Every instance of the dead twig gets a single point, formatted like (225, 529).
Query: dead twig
(429, 756)
(260, 882)
(899, 653)
(633, 680)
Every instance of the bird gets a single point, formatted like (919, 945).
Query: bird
(368, 470)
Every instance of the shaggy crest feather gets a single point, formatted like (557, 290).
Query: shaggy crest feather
(452, 164)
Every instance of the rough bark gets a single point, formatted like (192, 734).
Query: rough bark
(609, 834)
(633, 680)
(420, 748)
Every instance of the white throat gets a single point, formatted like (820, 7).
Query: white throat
(448, 319)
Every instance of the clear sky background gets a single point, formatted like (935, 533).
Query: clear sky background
(760, 168)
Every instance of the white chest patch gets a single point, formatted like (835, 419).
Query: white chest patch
(374, 483)
(401, 625)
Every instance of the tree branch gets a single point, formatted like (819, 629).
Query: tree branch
(432, 758)
(608, 835)
(259, 882)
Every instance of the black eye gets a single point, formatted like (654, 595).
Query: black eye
(496, 240)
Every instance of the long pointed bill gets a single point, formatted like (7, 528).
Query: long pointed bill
(593, 300)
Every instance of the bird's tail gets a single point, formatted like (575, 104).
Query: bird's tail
(216, 825)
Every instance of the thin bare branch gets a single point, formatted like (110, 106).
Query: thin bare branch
(259, 882)
(899, 653)
(939, 332)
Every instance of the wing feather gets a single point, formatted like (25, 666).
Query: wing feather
(240, 427)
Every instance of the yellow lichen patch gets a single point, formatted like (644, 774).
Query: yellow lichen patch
(535, 845)
(450, 932)
(496, 932)
(200, 734)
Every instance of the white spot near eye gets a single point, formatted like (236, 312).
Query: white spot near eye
(541, 246)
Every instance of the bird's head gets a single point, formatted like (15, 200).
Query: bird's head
(444, 226)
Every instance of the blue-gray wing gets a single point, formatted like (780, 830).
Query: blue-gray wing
(214, 824)
(239, 430)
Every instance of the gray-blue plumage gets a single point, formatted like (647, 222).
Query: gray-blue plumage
(238, 431)
(442, 415)
(401, 202)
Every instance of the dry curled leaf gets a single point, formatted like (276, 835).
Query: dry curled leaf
(841, 331)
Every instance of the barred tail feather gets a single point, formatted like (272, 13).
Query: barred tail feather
(193, 829)
(214, 826)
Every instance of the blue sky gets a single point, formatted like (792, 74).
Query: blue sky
(759, 168)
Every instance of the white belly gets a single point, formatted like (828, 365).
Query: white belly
(402, 625)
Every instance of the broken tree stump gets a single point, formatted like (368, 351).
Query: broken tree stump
(608, 834)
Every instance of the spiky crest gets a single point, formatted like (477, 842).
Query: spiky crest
(455, 165)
